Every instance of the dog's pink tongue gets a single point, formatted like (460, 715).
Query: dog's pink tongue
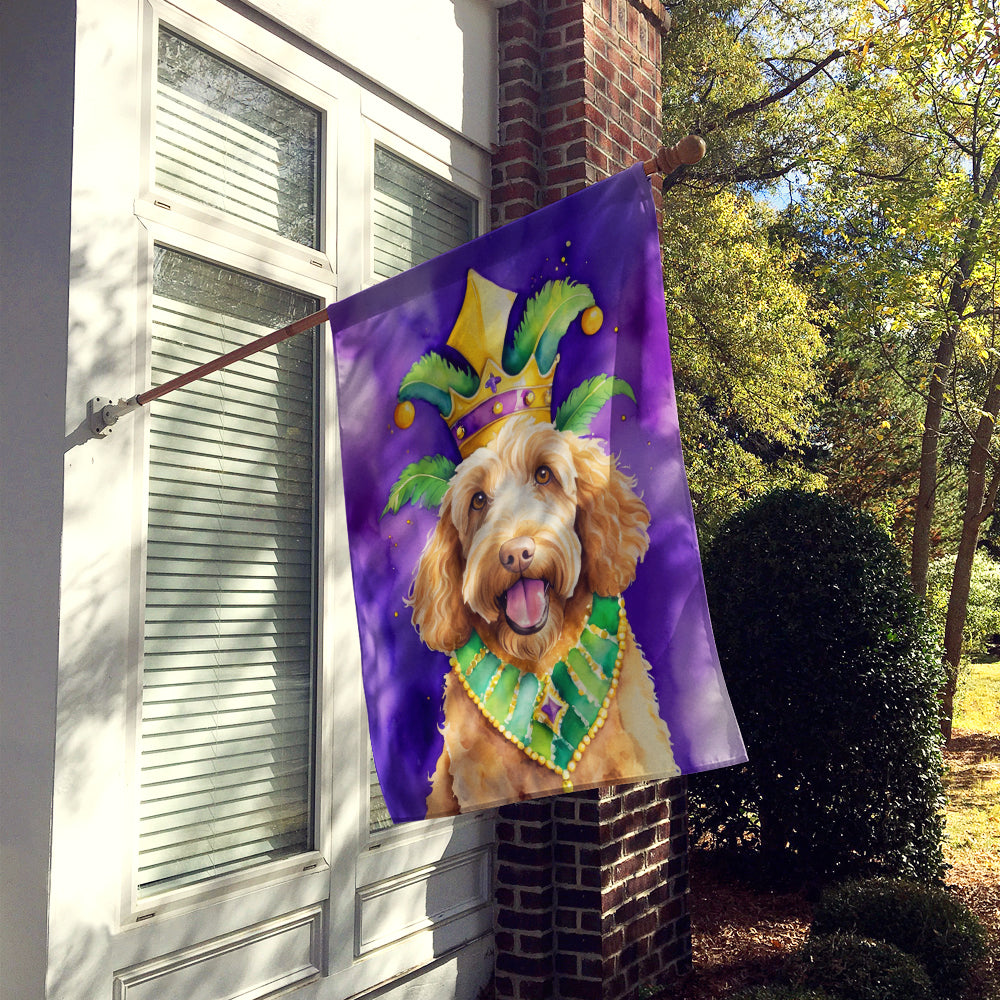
(526, 603)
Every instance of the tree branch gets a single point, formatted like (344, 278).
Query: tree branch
(754, 106)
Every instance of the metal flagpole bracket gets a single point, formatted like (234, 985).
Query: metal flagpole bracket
(103, 413)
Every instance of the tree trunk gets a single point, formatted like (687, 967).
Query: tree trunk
(958, 299)
(979, 501)
(920, 553)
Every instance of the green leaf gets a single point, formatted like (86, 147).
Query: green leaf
(584, 402)
(432, 376)
(423, 482)
(547, 316)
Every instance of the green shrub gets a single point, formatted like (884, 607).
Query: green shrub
(833, 673)
(925, 922)
(856, 968)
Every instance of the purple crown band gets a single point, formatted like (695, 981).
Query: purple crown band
(495, 408)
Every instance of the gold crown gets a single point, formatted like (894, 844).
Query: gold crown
(478, 335)
(502, 380)
(476, 420)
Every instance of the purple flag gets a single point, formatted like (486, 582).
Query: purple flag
(526, 573)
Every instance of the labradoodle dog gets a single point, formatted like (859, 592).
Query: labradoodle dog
(531, 528)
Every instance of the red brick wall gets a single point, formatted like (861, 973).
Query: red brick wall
(591, 888)
(579, 96)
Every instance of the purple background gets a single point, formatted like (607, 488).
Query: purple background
(605, 237)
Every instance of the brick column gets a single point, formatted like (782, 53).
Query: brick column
(579, 96)
(591, 888)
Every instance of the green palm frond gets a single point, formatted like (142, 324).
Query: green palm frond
(584, 402)
(432, 376)
(422, 483)
(547, 316)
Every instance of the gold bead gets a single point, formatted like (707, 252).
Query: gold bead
(498, 407)
(591, 320)
(403, 414)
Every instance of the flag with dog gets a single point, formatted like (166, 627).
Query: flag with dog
(526, 574)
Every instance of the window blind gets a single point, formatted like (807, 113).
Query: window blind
(228, 652)
(416, 216)
(228, 140)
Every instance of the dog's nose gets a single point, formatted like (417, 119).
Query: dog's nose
(516, 555)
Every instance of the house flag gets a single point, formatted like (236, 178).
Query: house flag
(526, 574)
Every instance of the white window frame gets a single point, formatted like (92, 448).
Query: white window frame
(350, 874)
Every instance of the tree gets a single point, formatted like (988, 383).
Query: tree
(746, 355)
(913, 180)
(745, 75)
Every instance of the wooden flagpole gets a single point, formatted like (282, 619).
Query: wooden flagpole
(102, 413)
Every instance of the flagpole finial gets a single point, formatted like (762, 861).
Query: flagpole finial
(688, 151)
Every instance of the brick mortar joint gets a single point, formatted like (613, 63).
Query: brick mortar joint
(655, 11)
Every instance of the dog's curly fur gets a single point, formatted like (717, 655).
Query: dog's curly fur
(546, 505)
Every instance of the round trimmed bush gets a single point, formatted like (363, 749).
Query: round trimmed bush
(925, 922)
(833, 672)
(856, 968)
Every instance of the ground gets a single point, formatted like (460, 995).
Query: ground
(742, 935)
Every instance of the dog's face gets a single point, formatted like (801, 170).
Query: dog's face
(514, 510)
(527, 521)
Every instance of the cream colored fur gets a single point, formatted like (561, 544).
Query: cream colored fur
(588, 531)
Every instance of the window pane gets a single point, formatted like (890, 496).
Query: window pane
(416, 217)
(228, 658)
(228, 140)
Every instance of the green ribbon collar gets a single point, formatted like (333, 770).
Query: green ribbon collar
(552, 720)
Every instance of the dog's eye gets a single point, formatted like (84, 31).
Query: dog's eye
(478, 501)
(543, 475)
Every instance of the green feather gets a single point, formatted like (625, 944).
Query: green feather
(584, 402)
(432, 376)
(547, 316)
(423, 482)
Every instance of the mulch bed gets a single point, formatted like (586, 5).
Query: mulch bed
(742, 934)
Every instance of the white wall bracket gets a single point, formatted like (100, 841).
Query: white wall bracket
(103, 413)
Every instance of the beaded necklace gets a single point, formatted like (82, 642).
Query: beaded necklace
(551, 720)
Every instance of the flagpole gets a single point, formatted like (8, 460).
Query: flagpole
(103, 413)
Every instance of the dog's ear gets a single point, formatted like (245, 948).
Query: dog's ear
(611, 519)
(439, 613)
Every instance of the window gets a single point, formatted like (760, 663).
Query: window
(253, 804)
(229, 651)
(228, 678)
(416, 215)
(225, 139)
